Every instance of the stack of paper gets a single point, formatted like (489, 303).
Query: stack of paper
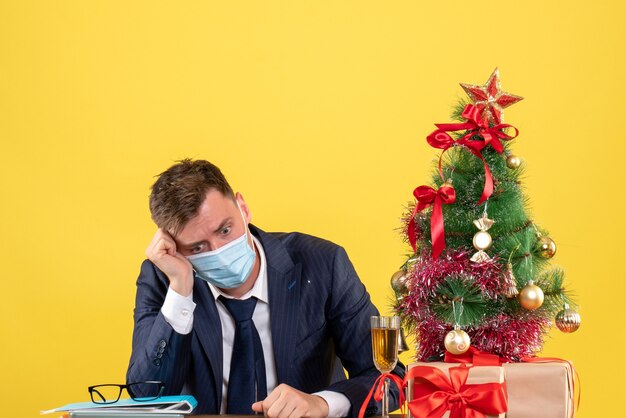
(165, 406)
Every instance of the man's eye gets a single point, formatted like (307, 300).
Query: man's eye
(197, 249)
(226, 230)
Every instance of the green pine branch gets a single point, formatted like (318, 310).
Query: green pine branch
(459, 301)
(555, 295)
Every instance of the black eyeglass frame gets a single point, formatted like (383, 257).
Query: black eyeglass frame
(128, 388)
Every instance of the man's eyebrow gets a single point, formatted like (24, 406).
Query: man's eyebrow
(224, 223)
(219, 228)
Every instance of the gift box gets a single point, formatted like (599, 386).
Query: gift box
(438, 388)
(540, 388)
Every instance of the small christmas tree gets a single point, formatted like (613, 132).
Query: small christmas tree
(479, 273)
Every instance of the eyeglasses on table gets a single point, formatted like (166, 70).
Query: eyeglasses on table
(138, 391)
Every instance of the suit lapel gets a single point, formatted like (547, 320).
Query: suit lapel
(284, 295)
(283, 279)
(208, 328)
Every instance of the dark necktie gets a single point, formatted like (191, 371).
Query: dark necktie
(246, 382)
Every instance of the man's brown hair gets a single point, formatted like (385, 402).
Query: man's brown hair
(180, 190)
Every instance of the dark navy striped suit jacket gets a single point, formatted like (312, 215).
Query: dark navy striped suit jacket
(319, 310)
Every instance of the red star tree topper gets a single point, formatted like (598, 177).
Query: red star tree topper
(490, 98)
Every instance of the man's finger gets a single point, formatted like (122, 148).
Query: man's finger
(270, 406)
(276, 408)
(257, 406)
(262, 406)
(272, 397)
(165, 245)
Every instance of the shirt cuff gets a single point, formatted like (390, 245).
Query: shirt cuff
(178, 311)
(338, 403)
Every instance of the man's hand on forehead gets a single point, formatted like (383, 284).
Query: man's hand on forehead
(162, 251)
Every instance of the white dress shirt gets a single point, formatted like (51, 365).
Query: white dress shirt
(178, 312)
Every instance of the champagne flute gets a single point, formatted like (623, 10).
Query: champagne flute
(385, 350)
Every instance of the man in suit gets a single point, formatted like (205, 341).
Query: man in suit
(244, 320)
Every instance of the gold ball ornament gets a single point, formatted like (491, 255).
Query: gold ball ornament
(531, 296)
(547, 247)
(457, 341)
(567, 320)
(513, 161)
(482, 240)
(398, 281)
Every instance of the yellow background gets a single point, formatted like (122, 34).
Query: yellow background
(317, 112)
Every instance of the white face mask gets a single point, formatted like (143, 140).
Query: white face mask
(229, 266)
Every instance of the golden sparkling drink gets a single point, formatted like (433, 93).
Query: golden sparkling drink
(385, 348)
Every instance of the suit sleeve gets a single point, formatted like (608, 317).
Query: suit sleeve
(158, 352)
(349, 314)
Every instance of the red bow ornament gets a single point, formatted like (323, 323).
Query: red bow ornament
(427, 196)
(489, 135)
(434, 394)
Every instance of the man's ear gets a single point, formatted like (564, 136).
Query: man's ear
(244, 207)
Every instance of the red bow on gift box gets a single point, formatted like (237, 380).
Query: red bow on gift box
(434, 394)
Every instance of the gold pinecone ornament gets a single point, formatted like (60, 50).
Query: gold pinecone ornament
(510, 284)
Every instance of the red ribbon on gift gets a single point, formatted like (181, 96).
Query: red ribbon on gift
(474, 356)
(427, 196)
(378, 390)
(434, 394)
(490, 135)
